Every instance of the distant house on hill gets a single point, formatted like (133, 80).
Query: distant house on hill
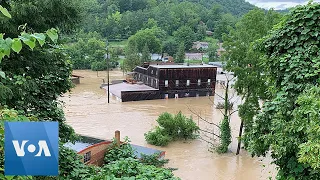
(156, 57)
(200, 45)
(194, 56)
(209, 33)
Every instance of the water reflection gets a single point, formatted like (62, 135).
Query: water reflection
(88, 112)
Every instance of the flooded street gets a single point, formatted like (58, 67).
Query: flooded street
(88, 112)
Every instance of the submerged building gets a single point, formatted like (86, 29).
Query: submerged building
(167, 81)
(93, 150)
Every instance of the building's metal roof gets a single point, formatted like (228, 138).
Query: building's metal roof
(84, 142)
(89, 141)
(181, 66)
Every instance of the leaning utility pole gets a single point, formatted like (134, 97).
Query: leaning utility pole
(107, 43)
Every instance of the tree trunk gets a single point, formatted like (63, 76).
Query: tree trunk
(239, 140)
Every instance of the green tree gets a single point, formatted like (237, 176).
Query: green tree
(286, 126)
(201, 31)
(245, 62)
(186, 36)
(38, 77)
(170, 46)
(145, 55)
(224, 25)
(180, 56)
(212, 50)
(86, 51)
(132, 57)
(214, 16)
(146, 36)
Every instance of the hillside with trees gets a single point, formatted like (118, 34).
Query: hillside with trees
(121, 18)
(160, 25)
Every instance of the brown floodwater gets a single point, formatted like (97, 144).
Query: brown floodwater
(88, 112)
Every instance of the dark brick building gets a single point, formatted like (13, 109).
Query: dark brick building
(177, 81)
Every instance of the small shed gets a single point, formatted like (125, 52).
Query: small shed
(76, 79)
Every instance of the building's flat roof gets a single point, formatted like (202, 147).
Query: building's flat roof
(181, 66)
(116, 89)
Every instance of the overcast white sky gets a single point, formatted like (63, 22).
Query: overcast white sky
(278, 4)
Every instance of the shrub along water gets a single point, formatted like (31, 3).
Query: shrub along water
(172, 128)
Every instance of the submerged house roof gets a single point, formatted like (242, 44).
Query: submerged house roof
(89, 142)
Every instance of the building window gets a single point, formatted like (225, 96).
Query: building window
(209, 82)
(151, 82)
(151, 71)
(166, 83)
(188, 82)
(87, 157)
(199, 82)
(177, 83)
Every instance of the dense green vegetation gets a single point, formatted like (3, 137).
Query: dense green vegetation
(292, 64)
(283, 66)
(172, 127)
(120, 19)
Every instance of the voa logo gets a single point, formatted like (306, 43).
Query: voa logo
(31, 148)
(43, 147)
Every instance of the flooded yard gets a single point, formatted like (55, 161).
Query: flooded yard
(88, 112)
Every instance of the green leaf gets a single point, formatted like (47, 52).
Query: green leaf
(5, 46)
(9, 177)
(1, 35)
(16, 45)
(53, 35)
(40, 37)
(28, 40)
(2, 74)
(5, 12)
(1, 56)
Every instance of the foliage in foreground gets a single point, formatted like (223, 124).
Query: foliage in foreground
(121, 162)
(289, 124)
(172, 127)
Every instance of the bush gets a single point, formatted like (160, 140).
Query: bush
(153, 160)
(98, 66)
(116, 153)
(172, 128)
(131, 168)
(158, 137)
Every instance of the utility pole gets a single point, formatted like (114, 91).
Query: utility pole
(107, 43)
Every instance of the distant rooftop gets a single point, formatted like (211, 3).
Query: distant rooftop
(181, 66)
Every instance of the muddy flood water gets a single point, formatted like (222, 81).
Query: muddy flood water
(88, 112)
